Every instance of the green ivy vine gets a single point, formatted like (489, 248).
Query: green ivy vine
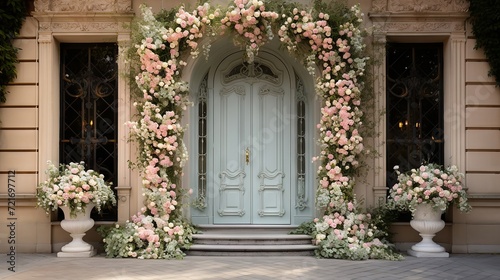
(12, 15)
(485, 20)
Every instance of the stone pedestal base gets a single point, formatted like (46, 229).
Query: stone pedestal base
(428, 254)
(77, 226)
(87, 254)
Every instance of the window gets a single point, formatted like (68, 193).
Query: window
(89, 101)
(414, 106)
(202, 144)
(301, 202)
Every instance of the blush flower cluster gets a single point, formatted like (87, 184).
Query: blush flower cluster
(159, 230)
(338, 53)
(72, 186)
(252, 22)
(429, 184)
(350, 236)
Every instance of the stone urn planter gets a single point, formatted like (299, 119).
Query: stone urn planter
(427, 221)
(419, 189)
(77, 226)
(71, 187)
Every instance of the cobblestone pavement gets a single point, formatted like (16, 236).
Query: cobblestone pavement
(48, 266)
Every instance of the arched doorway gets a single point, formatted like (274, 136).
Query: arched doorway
(252, 142)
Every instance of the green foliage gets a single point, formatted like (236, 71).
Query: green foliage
(338, 11)
(307, 228)
(485, 19)
(383, 217)
(12, 14)
(167, 16)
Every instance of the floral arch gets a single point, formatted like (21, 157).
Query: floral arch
(330, 40)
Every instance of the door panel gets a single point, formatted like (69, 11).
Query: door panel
(231, 116)
(271, 197)
(252, 146)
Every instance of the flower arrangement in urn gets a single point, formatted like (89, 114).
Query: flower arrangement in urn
(429, 184)
(72, 186)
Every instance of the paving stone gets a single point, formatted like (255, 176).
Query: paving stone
(45, 266)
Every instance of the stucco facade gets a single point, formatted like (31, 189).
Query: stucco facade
(29, 130)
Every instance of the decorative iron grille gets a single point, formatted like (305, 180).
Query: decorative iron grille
(301, 197)
(201, 201)
(89, 103)
(414, 94)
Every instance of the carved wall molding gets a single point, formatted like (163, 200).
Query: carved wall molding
(419, 16)
(419, 27)
(83, 6)
(420, 6)
(83, 27)
(45, 39)
(83, 16)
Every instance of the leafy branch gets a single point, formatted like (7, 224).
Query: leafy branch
(12, 15)
(485, 19)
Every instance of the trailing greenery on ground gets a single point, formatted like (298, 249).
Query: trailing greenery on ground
(12, 15)
(327, 39)
(485, 19)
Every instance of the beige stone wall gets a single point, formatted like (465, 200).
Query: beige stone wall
(479, 231)
(19, 153)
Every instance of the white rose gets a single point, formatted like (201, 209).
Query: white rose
(320, 236)
(75, 179)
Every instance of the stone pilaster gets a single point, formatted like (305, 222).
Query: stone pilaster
(455, 104)
(48, 106)
(455, 115)
(124, 115)
(379, 87)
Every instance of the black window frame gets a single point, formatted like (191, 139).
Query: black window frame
(414, 106)
(89, 112)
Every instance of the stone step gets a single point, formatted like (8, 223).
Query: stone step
(242, 229)
(250, 250)
(250, 240)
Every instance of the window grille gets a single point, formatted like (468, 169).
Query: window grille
(89, 103)
(415, 133)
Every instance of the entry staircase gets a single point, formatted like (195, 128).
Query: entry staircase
(249, 240)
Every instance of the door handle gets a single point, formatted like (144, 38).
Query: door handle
(247, 156)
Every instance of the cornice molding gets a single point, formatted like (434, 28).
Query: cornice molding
(83, 16)
(82, 26)
(83, 6)
(419, 16)
(419, 6)
(419, 27)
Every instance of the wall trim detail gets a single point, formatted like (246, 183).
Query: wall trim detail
(423, 16)
(69, 21)
(83, 6)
